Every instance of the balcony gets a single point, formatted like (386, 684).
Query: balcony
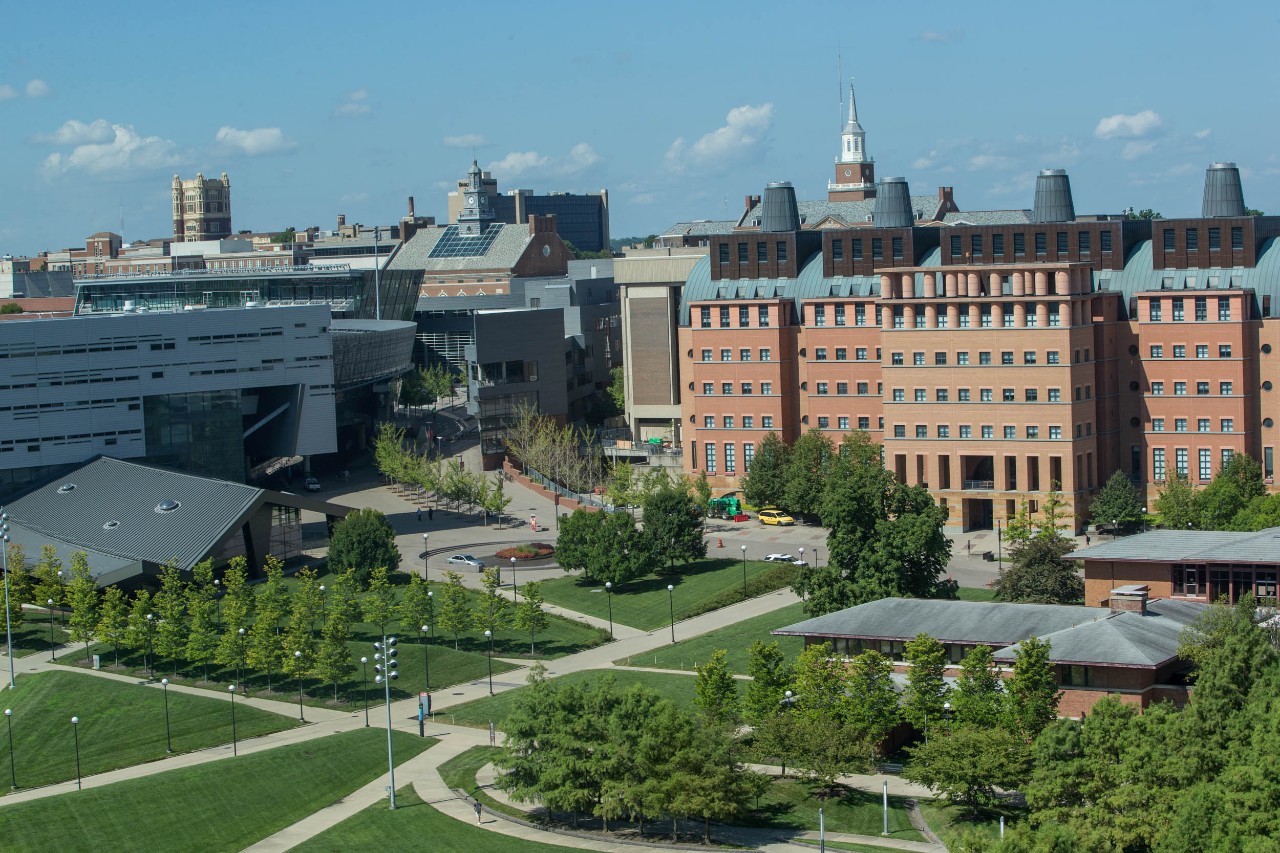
(979, 485)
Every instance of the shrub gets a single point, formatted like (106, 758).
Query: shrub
(527, 552)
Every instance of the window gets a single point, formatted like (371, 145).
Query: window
(984, 395)
(766, 421)
(1202, 388)
(726, 388)
(822, 388)
(1168, 239)
(988, 431)
(705, 312)
(1033, 432)
(899, 431)
(922, 431)
(1157, 464)
(843, 422)
(1157, 389)
(1051, 356)
(944, 431)
(1224, 309)
(1179, 351)
(1157, 424)
(837, 250)
(1104, 241)
(819, 315)
(706, 355)
(724, 253)
(897, 317)
(984, 358)
(962, 394)
(897, 248)
(1202, 425)
(748, 453)
(921, 396)
(824, 422)
(765, 354)
(855, 246)
(1055, 395)
(975, 245)
(895, 358)
(859, 315)
(1202, 309)
(726, 354)
(877, 249)
(708, 389)
(766, 388)
(762, 316)
(920, 320)
(962, 357)
(762, 252)
(1228, 425)
(966, 431)
(899, 395)
(1193, 239)
(955, 246)
(1055, 432)
(724, 316)
(1006, 358)
(842, 388)
(1029, 357)
(742, 259)
(1041, 243)
(1082, 240)
(1227, 454)
(1010, 432)
(748, 422)
(1032, 395)
(1237, 237)
(1062, 242)
(842, 354)
(862, 389)
(1008, 395)
(1177, 310)
(744, 354)
(746, 388)
(984, 317)
(728, 421)
(744, 316)
(1179, 389)
(1154, 311)
(1019, 244)
(1224, 388)
(782, 251)
(1008, 320)
(820, 353)
(709, 421)
(917, 358)
(941, 395)
(839, 315)
(860, 353)
(711, 448)
(1157, 351)
(1215, 239)
(1180, 461)
(1206, 464)
(1202, 350)
(997, 244)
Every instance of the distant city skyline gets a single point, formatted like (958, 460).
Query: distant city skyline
(679, 111)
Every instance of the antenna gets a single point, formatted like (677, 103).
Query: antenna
(840, 87)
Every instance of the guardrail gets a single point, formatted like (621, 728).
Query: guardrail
(981, 485)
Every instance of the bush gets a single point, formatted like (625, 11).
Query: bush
(527, 552)
(777, 576)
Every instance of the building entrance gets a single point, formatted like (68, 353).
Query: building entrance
(979, 514)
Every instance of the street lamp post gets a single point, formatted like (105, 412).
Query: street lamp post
(4, 555)
(13, 774)
(168, 737)
(364, 682)
(1115, 527)
(744, 572)
(377, 280)
(999, 544)
(515, 587)
(488, 635)
(75, 728)
(386, 672)
(425, 537)
(297, 659)
(788, 698)
(671, 605)
(232, 690)
(815, 555)
(324, 614)
(151, 673)
(426, 656)
(240, 659)
(53, 652)
(802, 553)
(608, 593)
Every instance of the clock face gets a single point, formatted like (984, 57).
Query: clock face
(546, 251)
(848, 172)
(471, 200)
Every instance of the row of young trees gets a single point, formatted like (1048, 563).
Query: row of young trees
(886, 537)
(563, 454)
(446, 478)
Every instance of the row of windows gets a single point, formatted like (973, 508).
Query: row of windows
(1202, 425)
(1180, 350)
(766, 354)
(840, 315)
(726, 388)
(863, 389)
(989, 431)
(1178, 306)
(856, 249)
(1008, 319)
(1007, 357)
(744, 316)
(987, 395)
(1225, 389)
(762, 251)
(1191, 238)
(1062, 242)
(734, 421)
(1204, 456)
(730, 457)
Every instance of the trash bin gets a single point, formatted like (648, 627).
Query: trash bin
(97, 661)
(989, 556)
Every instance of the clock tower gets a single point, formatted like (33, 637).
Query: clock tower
(855, 177)
(476, 214)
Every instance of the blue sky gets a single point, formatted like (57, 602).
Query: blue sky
(679, 110)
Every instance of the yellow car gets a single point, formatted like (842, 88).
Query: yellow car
(775, 516)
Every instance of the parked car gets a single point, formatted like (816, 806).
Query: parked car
(784, 558)
(465, 560)
(775, 516)
(312, 484)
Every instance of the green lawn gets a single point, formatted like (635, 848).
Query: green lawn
(844, 845)
(222, 805)
(677, 688)
(32, 636)
(981, 593)
(948, 822)
(120, 725)
(644, 603)
(736, 639)
(793, 804)
(412, 826)
(460, 772)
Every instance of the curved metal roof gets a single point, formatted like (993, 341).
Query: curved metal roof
(1138, 275)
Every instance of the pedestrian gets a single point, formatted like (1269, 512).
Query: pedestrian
(967, 543)
(1086, 540)
(431, 513)
(479, 809)
(419, 513)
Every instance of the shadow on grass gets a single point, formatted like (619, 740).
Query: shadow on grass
(658, 581)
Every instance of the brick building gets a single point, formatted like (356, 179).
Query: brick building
(201, 208)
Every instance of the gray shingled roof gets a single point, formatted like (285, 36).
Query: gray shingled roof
(987, 217)
(1192, 546)
(1123, 639)
(108, 490)
(848, 212)
(701, 227)
(504, 252)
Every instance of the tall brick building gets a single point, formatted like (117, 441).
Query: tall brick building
(201, 208)
(994, 354)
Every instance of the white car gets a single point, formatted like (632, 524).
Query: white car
(312, 484)
(784, 558)
(465, 560)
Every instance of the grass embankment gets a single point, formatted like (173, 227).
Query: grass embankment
(735, 639)
(222, 805)
(120, 725)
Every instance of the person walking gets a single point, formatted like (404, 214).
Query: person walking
(419, 513)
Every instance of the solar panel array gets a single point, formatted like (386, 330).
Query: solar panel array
(454, 244)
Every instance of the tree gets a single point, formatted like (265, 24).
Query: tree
(1031, 697)
(379, 601)
(873, 700)
(497, 500)
(1237, 483)
(770, 674)
(202, 633)
(237, 601)
(837, 729)
(1176, 504)
(21, 585)
(10, 308)
(1145, 213)
(1038, 574)
(48, 578)
(1118, 503)
(617, 388)
(977, 698)
(491, 609)
(765, 483)
(673, 526)
(137, 633)
(1259, 514)
(343, 597)
(716, 692)
(363, 541)
(926, 691)
(425, 385)
(415, 605)
(113, 620)
(333, 660)
(171, 615)
(271, 599)
(82, 595)
(807, 468)
(530, 615)
(286, 236)
(455, 610)
(968, 764)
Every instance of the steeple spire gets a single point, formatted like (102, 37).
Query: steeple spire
(853, 137)
(852, 125)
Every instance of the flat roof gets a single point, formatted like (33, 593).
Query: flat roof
(1188, 546)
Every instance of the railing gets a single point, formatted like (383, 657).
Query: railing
(983, 485)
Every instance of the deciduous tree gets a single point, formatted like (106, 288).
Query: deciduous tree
(770, 675)
(673, 526)
(926, 691)
(82, 595)
(171, 615)
(363, 541)
(455, 609)
(1038, 574)
(969, 764)
(716, 692)
(1118, 502)
(379, 602)
(1176, 504)
(530, 615)
(807, 470)
(977, 697)
(113, 620)
(1031, 694)
(765, 484)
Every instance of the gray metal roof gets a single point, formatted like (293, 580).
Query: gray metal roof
(987, 217)
(1189, 546)
(701, 227)
(1145, 640)
(502, 253)
(847, 212)
(355, 325)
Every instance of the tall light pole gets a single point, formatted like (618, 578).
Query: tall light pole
(4, 555)
(377, 280)
(426, 656)
(297, 662)
(744, 572)
(815, 555)
(802, 553)
(240, 658)
(151, 673)
(231, 688)
(13, 774)
(425, 554)
(671, 605)
(168, 737)
(999, 544)
(53, 652)
(515, 587)
(608, 592)
(488, 635)
(386, 669)
(75, 728)
(364, 681)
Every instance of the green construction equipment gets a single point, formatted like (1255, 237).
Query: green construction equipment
(726, 507)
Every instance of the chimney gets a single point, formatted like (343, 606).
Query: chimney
(1131, 598)
(1223, 195)
(893, 204)
(946, 200)
(410, 207)
(1053, 197)
(342, 219)
(779, 212)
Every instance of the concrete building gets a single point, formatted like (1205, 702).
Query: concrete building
(18, 279)
(201, 208)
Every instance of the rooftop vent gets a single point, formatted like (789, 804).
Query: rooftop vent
(1053, 197)
(167, 506)
(111, 525)
(1223, 195)
(893, 204)
(66, 487)
(778, 211)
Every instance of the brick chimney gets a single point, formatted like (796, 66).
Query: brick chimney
(946, 203)
(1131, 598)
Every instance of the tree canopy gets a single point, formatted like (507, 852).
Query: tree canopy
(362, 542)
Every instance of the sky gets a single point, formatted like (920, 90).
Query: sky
(679, 110)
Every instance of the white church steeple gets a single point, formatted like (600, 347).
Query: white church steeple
(855, 171)
(853, 142)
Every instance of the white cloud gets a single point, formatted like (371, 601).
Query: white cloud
(466, 140)
(644, 198)
(941, 37)
(75, 132)
(1121, 125)
(1203, 134)
(978, 162)
(38, 89)
(517, 163)
(928, 161)
(354, 104)
(353, 198)
(743, 133)
(1018, 185)
(7, 92)
(126, 151)
(580, 158)
(1134, 150)
(255, 142)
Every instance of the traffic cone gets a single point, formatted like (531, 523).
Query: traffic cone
(719, 543)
